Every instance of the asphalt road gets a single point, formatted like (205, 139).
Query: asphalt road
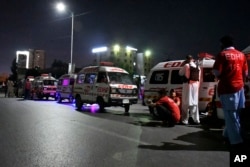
(45, 133)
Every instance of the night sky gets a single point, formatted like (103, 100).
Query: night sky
(171, 29)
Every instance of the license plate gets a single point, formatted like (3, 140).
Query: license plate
(125, 101)
(52, 94)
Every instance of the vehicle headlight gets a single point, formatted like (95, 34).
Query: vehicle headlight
(135, 91)
(113, 90)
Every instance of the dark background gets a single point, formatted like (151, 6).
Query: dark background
(169, 28)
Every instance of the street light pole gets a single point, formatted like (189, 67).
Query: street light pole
(62, 7)
(72, 37)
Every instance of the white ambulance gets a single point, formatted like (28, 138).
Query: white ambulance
(64, 88)
(44, 86)
(166, 75)
(105, 85)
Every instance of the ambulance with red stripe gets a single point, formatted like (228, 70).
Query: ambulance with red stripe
(105, 85)
(44, 86)
(166, 75)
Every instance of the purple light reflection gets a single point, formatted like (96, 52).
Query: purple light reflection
(94, 108)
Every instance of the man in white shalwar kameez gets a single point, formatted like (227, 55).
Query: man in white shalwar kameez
(190, 94)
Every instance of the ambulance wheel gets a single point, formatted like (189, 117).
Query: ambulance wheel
(126, 107)
(78, 103)
(100, 102)
(70, 99)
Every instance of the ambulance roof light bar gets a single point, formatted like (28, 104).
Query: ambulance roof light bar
(204, 55)
(106, 63)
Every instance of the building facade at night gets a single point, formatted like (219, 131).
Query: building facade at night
(30, 59)
(124, 57)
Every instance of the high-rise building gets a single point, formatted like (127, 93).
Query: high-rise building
(38, 59)
(30, 59)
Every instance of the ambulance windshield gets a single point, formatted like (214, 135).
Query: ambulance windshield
(119, 78)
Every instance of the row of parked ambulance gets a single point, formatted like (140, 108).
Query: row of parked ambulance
(107, 85)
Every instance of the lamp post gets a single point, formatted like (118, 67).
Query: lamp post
(147, 61)
(61, 7)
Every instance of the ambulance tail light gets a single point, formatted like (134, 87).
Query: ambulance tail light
(204, 55)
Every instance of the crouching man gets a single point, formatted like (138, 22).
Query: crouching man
(167, 109)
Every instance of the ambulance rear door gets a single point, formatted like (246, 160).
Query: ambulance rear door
(207, 84)
(164, 75)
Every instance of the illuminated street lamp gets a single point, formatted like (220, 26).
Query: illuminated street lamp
(61, 8)
(129, 49)
(116, 48)
(147, 53)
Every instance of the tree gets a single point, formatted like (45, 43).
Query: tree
(13, 68)
(32, 72)
(58, 68)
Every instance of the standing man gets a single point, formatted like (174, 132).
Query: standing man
(231, 68)
(27, 87)
(190, 91)
(10, 88)
(5, 88)
(167, 109)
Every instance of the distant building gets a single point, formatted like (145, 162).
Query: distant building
(30, 59)
(124, 57)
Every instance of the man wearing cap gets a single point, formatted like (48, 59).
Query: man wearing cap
(231, 68)
(190, 93)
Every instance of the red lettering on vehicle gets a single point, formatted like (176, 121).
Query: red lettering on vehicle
(211, 92)
(116, 70)
(125, 86)
(172, 64)
(102, 89)
(86, 89)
